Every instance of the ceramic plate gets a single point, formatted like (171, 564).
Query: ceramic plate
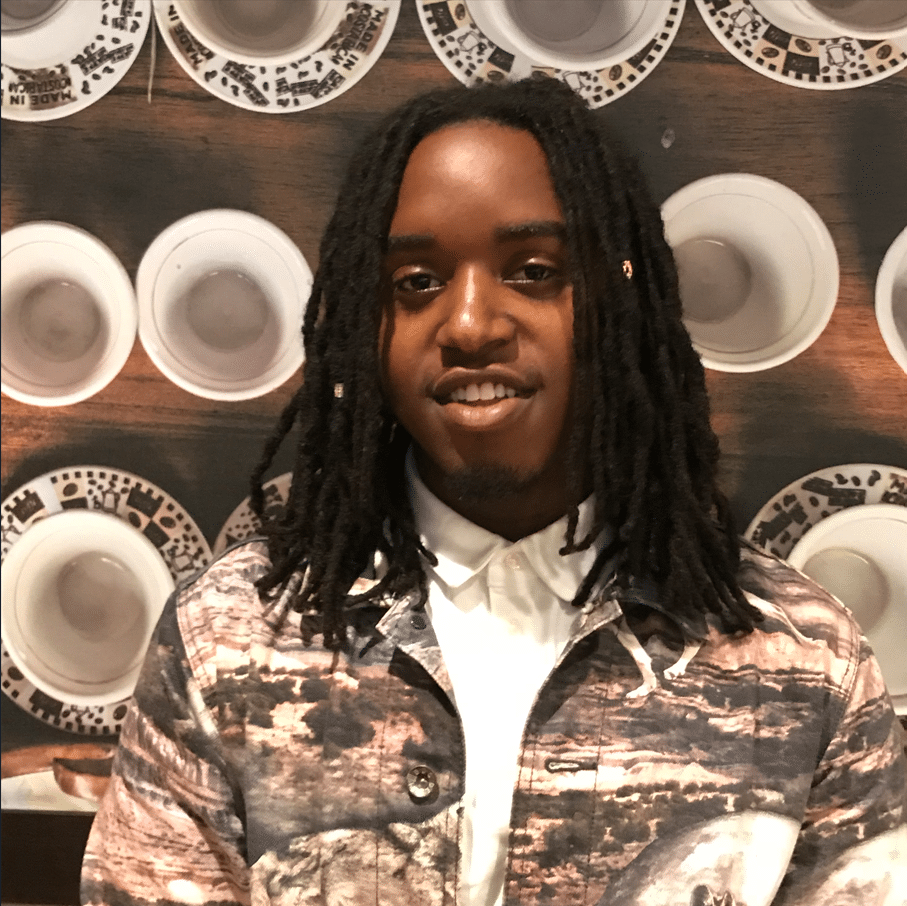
(243, 523)
(80, 66)
(472, 57)
(316, 79)
(792, 258)
(820, 63)
(144, 506)
(877, 533)
(891, 299)
(804, 503)
(197, 245)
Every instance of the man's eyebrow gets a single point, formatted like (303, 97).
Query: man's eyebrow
(531, 229)
(508, 232)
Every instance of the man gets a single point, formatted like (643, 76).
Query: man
(501, 646)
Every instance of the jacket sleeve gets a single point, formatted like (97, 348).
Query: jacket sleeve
(852, 845)
(169, 828)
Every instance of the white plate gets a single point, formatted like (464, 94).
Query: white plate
(347, 56)
(148, 509)
(473, 57)
(878, 533)
(809, 500)
(793, 262)
(42, 249)
(823, 63)
(891, 299)
(73, 60)
(242, 523)
(200, 244)
(88, 651)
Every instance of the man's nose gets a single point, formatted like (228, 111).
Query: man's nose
(477, 317)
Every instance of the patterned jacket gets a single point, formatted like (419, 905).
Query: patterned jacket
(253, 768)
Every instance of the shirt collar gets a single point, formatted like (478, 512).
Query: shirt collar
(464, 548)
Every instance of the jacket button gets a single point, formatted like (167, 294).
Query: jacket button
(418, 621)
(422, 784)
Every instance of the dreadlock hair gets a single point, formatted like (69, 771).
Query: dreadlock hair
(641, 434)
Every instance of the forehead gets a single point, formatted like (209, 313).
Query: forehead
(480, 169)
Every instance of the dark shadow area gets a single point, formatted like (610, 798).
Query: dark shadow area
(799, 433)
(872, 149)
(124, 191)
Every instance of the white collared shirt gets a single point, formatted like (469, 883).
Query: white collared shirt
(502, 615)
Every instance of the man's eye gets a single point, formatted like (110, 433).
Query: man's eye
(416, 283)
(533, 273)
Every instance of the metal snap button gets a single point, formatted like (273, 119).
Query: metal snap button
(417, 621)
(422, 784)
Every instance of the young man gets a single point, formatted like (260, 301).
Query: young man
(501, 646)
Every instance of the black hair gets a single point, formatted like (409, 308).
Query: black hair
(641, 433)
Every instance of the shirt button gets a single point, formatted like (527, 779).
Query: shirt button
(422, 784)
(513, 561)
(417, 621)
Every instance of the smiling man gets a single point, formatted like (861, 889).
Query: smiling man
(502, 644)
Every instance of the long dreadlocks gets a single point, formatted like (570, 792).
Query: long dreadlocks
(641, 434)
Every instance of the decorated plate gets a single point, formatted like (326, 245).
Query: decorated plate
(795, 509)
(144, 506)
(243, 523)
(316, 79)
(79, 56)
(825, 63)
(472, 57)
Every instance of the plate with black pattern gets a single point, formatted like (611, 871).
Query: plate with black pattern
(149, 510)
(467, 53)
(795, 509)
(346, 57)
(92, 59)
(242, 523)
(831, 63)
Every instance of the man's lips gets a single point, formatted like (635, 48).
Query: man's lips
(480, 388)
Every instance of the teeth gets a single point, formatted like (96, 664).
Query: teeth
(473, 393)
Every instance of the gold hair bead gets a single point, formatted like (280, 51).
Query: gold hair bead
(338, 391)
(627, 268)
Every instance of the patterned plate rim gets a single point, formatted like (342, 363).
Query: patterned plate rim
(268, 89)
(98, 67)
(139, 502)
(242, 523)
(471, 57)
(823, 64)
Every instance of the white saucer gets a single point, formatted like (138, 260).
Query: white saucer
(792, 260)
(823, 63)
(148, 509)
(242, 523)
(790, 513)
(73, 60)
(891, 299)
(349, 54)
(39, 250)
(879, 534)
(202, 243)
(472, 57)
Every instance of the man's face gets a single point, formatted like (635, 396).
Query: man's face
(476, 339)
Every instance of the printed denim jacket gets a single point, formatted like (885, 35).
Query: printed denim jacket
(742, 771)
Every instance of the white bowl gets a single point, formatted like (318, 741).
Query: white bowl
(891, 299)
(574, 35)
(81, 593)
(262, 32)
(68, 314)
(221, 297)
(768, 260)
(876, 533)
(869, 20)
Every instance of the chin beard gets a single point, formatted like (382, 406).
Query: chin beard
(474, 484)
